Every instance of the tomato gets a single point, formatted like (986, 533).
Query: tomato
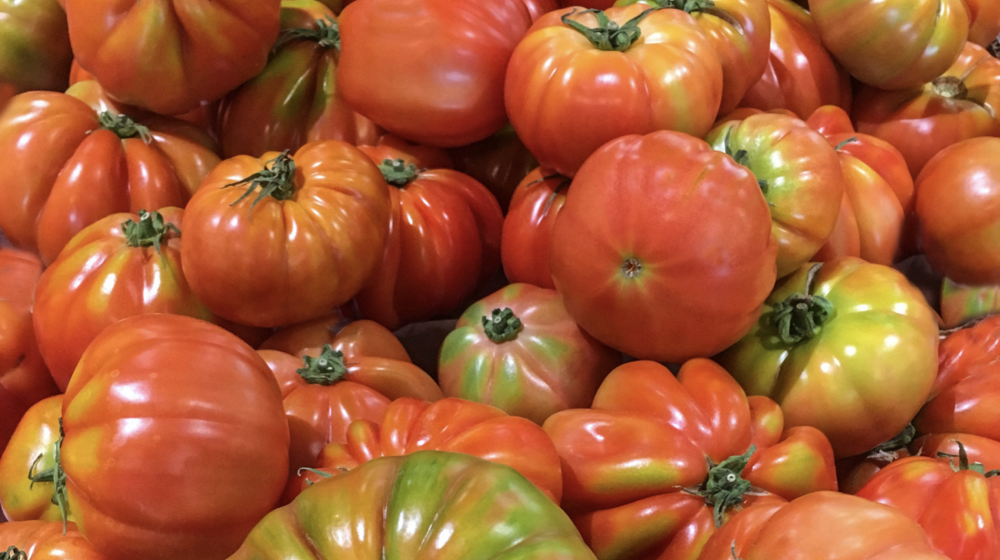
(800, 175)
(499, 162)
(357, 338)
(41, 540)
(36, 53)
(830, 120)
(641, 269)
(821, 526)
(175, 440)
(979, 449)
(845, 346)
(294, 100)
(301, 245)
(985, 21)
(800, 75)
(659, 462)
(19, 272)
(443, 243)
(169, 57)
(27, 487)
(961, 103)
(431, 504)
(520, 351)
(70, 166)
(527, 229)
(570, 79)
(893, 44)
(854, 472)
(961, 303)
(455, 425)
(958, 206)
(431, 71)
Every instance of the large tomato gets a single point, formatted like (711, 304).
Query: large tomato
(675, 260)
(280, 239)
(35, 53)
(499, 162)
(40, 540)
(520, 351)
(659, 462)
(431, 71)
(168, 57)
(175, 440)
(845, 346)
(580, 79)
(353, 338)
(893, 44)
(70, 165)
(294, 100)
(958, 207)
(961, 103)
(28, 488)
(527, 229)
(799, 173)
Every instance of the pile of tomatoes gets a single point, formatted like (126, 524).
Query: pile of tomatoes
(500, 279)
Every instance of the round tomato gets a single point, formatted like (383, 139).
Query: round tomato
(499, 162)
(27, 466)
(293, 236)
(961, 303)
(581, 79)
(527, 229)
(40, 540)
(36, 54)
(642, 269)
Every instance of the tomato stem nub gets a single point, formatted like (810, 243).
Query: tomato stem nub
(502, 326)
(278, 180)
(725, 486)
(800, 317)
(950, 87)
(55, 475)
(325, 369)
(124, 127)
(148, 231)
(327, 34)
(397, 172)
(608, 35)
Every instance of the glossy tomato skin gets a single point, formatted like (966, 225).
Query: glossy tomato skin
(142, 461)
(353, 338)
(979, 449)
(19, 271)
(36, 53)
(384, 75)
(961, 103)
(958, 207)
(527, 229)
(31, 450)
(286, 261)
(67, 171)
(636, 263)
(42, 540)
(607, 94)
(961, 303)
(896, 44)
(169, 57)
(294, 100)
(466, 506)
(985, 21)
(500, 163)
(880, 338)
(546, 365)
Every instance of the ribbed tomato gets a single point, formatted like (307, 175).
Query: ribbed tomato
(27, 466)
(527, 229)
(40, 540)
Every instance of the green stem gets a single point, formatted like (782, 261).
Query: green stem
(502, 326)
(800, 317)
(327, 34)
(148, 231)
(13, 553)
(725, 486)
(850, 140)
(963, 462)
(397, 172)
(124, 127)
(55, 475)
(889, 450)
(689, 6)
(277, 179)
(742, 157)
(325, 369)
(608, 35)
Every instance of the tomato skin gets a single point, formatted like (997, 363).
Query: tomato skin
(549, 365)
(42, 540)
(923, 120)
(353, 338)
(718, 270)
(980, 449)
(36, 53)
(604, 95)
(31, 450)
(892, 45)
(168, 58)
(500, 163)
(528, 227)
(881, 339)
(985, 21)
(280, 272)
(141, 463)
(961, 303)
(383, 72)
(19, 271)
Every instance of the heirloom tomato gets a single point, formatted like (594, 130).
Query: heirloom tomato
(41, 540)
(499, 162)
(428, 505)
(35, 53)
(168, 57)
(893, 44)
(845, 346)
(958, 206)
(961, 103)
(294, 100)
(799, 174)
(27, 485)
(642, 268)
(821, 526)
(70, 165)
(281, 239)
(659, 462)
(527, 229)
(613, 73)
(454, 425)
(979, 449)
(443, 243)
(19, 272)
(353, 338)
(176, 442)
(984, 16)
(961, 303)
(120, 266)
(800, 75)
(431, 71)
(520, 351)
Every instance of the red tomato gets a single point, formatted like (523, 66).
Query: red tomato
(69, 166)
(979, 449)
(169, 57)
(175, 440)
(829, 120)
(302, 245)
(527, 229)
(431, 71)
(41, 540)
(357, 338)
(27, 487)
(607, 88)
(985, 18)
(19, 272)
(961, 103)
(500, 163)
(640, 267)
(854, 472)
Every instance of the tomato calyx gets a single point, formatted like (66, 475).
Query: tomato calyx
(13, 553)
(327, 34)
(277, 179)
(398, 173)
(502, 325)
(325, 369)
(608, 35)
(800, 317)
(56, 475)
(148, 231)
(689, 6)
(963, 462)
(889, 451)
(123, 126)
(950, 87)
(725, 486)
